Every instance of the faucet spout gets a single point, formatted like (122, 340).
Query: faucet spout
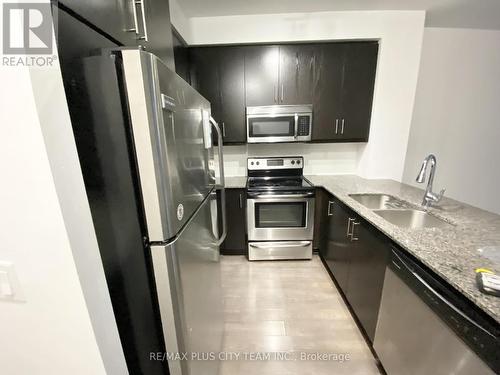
(423, 170)
(429, 197)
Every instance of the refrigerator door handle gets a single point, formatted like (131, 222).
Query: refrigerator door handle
(222, 184)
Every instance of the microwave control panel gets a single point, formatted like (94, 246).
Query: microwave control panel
(304, 125)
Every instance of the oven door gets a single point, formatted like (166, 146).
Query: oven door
(280, 217)
(270, 129)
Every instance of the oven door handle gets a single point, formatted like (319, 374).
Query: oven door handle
(278, 196)
(282, 244)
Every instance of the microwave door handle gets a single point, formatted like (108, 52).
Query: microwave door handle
(222, 184)
(296, 125)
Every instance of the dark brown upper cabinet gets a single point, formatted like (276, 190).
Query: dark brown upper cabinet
(113, 17)
(296, 74)
(279, 74)
(181, 57)
(155, 29)
(360, 64)
(131, 23)
(343, 97)
(262, 75)
(327, 96)
(232, 94)
(218, 73)
(336, 78)
(205, 76)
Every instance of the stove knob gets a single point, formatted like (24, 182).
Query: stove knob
(257, 163)
(298, 161)
(251, 163)
(293, 162)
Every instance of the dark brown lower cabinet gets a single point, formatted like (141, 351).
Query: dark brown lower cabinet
(367, 265)
(356, 254)
(338, 247)
(236, 241)
(320, 220)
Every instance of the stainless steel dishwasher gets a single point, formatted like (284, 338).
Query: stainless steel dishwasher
(424, 327)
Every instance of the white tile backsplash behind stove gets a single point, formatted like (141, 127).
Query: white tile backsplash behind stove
(319, 158)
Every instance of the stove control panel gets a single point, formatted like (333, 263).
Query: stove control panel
(289, 162)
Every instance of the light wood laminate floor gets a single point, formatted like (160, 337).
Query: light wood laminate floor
(293, 307)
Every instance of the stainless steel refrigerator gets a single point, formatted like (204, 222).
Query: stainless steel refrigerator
(146, 136)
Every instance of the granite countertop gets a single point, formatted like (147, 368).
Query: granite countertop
(450, 252)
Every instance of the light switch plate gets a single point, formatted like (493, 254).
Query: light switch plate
(10, 289)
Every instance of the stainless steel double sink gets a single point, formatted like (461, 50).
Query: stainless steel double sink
(399, 212)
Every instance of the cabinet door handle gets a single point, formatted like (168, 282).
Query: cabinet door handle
(349, 226)
(241, 200)
(282, 92)
(342, 127)
(134, 29)
(223, 129)
(276, 93)
(352, 231)
(330, 211)
(336, 126)
(144, 24)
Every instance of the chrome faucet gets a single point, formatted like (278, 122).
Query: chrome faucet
(429, 197)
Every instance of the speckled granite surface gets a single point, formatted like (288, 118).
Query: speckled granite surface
(450, 252)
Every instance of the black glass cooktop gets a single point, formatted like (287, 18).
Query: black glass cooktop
(278, 183)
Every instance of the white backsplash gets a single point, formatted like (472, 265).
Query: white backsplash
(319, 158)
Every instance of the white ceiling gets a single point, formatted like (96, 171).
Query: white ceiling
(480, 14)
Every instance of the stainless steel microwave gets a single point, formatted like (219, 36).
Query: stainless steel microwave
(279, 123)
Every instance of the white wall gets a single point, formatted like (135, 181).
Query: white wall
(400, 34)
(179, 20)
(64, 323)
(457, 114)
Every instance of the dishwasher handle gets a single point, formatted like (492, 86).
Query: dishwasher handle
(403, 267)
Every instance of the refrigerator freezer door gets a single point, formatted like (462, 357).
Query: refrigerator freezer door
(188, 285)
(176, 168)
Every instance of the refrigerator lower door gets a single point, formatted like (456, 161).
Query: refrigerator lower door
(188, 284)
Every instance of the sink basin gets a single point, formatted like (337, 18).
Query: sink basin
(412, 219)
(379, 201)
